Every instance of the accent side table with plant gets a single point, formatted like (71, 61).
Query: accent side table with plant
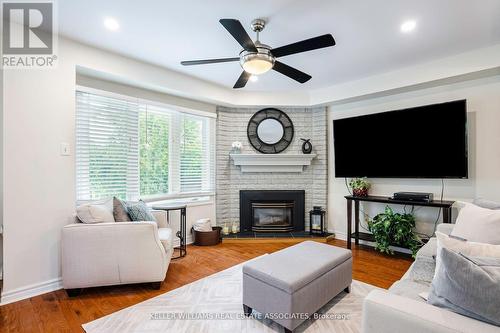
(359, 186)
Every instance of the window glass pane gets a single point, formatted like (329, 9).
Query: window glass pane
(154, 152)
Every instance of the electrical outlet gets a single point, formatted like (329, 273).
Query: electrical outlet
(65, 151)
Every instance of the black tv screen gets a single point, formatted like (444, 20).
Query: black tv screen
(422, 142)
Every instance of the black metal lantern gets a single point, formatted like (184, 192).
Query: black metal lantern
(316, 221)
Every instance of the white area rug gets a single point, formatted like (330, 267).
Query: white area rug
(214, 305)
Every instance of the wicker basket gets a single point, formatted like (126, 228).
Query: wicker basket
(207, 238)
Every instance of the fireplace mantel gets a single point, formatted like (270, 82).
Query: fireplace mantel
(272, 162)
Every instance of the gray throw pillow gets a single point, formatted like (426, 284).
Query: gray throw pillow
(120, 211)
(467, 285)
(139, 211)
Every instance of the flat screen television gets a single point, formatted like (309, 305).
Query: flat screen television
(422, 142)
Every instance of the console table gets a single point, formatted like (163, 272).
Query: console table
(182, 232)
(445, 205)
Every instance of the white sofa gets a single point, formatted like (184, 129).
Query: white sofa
(401, 309)
(113, 253)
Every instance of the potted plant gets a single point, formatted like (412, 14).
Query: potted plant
(397, 229)
(359, 186)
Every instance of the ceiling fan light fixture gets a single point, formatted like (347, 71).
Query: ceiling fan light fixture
(257, 58)
(257, 63)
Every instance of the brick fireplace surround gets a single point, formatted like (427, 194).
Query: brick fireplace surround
(232, 125)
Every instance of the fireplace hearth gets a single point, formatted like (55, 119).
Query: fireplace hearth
(271, 211)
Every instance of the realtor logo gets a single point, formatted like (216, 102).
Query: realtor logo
(28, 34)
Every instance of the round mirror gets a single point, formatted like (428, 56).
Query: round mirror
(270, 131)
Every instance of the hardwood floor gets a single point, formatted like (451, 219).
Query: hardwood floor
(56, 312)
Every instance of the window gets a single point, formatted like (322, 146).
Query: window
(133, 148)
(154, 129)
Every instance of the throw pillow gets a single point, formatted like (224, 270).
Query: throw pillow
(486, 203)
(202, 225)
(465, 247)
(120, 211)
(474, 249)
(478, 224)
(467, 285)
(139, 211)
(92, 213)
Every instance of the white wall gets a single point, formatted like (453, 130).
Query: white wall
(483, 104)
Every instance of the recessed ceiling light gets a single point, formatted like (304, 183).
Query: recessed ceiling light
(111, 24)
(408, 26)
(254, 78)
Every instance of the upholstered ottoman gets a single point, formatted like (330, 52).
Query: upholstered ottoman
(292, 284)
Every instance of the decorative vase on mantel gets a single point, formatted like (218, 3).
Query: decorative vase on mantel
(306, 146)
(235, 147)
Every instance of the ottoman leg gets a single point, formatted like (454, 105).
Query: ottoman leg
(348, 289)
(287, 330)
(247, 310)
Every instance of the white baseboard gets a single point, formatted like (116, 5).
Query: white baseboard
(31, 290)
(50, 285)
(189, 240)
(340, 235)
(343, 236)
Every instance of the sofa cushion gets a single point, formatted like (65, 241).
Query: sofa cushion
(95, 212)
(478, 224)
(166, 238)
(120, 211)
(410, 289)
(294, 267)
(424, 265)
(467, 285)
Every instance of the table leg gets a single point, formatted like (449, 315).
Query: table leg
(183, 223)
(356, 222)
(447, 215)
(349, 222)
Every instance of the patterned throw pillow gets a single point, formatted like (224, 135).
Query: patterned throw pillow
(120, 211)
(139, 211)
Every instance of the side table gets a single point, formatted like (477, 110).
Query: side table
(182, 232)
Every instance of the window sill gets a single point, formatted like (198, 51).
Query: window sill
(190, 202)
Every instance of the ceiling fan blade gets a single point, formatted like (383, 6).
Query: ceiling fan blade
(236, 30)
(242, 80)
(305, 45)
(208, 61)
(291, 72)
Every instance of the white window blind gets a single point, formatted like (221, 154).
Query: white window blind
(196, 161)
(134, 149)
(106, 147)
(154, 151)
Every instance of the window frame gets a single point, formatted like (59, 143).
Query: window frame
(176, 140)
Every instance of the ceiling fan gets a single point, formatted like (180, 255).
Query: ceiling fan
(257, 58)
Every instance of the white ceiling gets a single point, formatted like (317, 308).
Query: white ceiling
(367, 33)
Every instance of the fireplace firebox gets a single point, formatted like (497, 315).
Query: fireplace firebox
(271, 211)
